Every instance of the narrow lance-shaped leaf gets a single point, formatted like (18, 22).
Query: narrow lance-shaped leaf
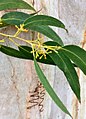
(76, 54)
(49, 89)
(14, 4)
(14, 18)
(66, 66)
(12, 52)
(47, 31)
(43, 20)
(24, 52)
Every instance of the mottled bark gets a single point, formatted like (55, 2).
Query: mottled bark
(19, 82)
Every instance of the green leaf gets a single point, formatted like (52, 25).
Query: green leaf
(15, 18)
(77, 55)
(49, 89)
(24, 53)
(51, 43)
(14, 4)
(12, 52)
(66, 66)
(47, 31)
(38, 20)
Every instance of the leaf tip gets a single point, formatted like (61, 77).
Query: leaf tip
(80, 101)
(66, 30)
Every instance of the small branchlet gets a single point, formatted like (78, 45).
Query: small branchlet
(20, 29)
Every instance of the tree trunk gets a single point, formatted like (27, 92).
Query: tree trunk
(19, 84)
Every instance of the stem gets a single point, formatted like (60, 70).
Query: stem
(37, 46)
(30, 42)
(13, 36)
(14, 42)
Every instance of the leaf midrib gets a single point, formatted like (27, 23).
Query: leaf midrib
(12, 19)
(7, 3)
(73, 54)
(61, 105)
(69, 74)
(38, 21)
(66, 67)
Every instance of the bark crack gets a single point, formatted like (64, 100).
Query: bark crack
(14, 87)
